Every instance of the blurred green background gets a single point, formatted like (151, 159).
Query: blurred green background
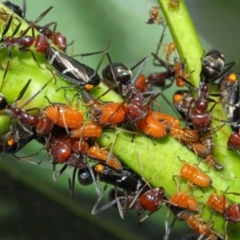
(33, 206)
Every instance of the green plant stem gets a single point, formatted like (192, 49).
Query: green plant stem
(184, 35)
(154, 159)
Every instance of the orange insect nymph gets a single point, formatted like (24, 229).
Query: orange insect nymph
(184, 134)
(169, 49)
(155, 16)
(64, 116)
(217, 202)
(179, 69)
(151, 126)
(87, 130)
(195, 176)
(108, 114)
(101, 154)
(173, 5)
(166, 119)
(184, 200)
(200, 227)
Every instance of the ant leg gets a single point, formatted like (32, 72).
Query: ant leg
(160, 42)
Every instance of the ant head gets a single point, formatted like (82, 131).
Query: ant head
(123, 72)
(212, 64)
(85, 177)
(3, 102)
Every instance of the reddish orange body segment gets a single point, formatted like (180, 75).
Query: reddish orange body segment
(200, 227)
(98, 168)
(88, 130)
(167, 119)
(177, 98)
(141, 84)
(152, 199)
(179, 69)
(63, 146)
(151, 126)
(60, 151)
(25, 117)
(108, 114)
(183, 200)
(233, 143)
(101, 154)
(11, 141)
(184, 134)
(217, 202)
(44, 126)
(64, 116)
(195, 176)
(41, 44)
(60, 41)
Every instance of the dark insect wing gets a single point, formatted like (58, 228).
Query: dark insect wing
(229, 89)
(15, 146)
(182, 99)
(16, 138)
(124, 179)
(182, 104)
(72, 70)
